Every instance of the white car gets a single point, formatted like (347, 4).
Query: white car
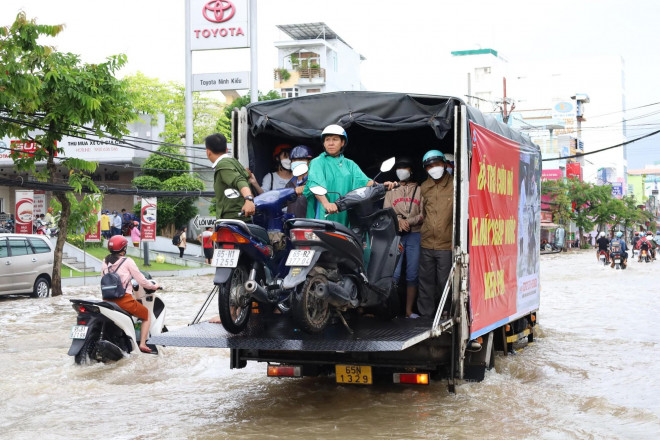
(26, 264)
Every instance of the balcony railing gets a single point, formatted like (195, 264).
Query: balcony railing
(283, 75)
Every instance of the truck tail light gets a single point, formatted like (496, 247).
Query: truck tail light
(411, 378)
(284, 371)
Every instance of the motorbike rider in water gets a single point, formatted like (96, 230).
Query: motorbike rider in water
(619, 243)
(603, 246)
(128, 269)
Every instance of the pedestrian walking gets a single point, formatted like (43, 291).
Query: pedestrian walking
(207, 243)
(182, 240)
(135, 234)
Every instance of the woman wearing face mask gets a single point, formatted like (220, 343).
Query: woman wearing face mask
(436, 240)
(406, 200)
(279, 178)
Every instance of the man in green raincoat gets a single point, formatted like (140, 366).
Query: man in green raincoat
(336, 173)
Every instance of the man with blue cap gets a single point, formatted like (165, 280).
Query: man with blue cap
(435, 255)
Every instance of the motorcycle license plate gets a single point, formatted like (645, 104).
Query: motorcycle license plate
(298, 257)
(617, 261)
(356, 374)
(78, 332)
(225, 257)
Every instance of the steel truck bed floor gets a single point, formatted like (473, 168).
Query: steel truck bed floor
(277, 332)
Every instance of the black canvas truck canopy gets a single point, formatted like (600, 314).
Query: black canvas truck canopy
(379, 125)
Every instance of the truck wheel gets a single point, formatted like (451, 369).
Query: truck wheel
(86, 353)
(234, 302)
(309, 311)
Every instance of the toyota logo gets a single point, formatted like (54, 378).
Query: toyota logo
(218, 11)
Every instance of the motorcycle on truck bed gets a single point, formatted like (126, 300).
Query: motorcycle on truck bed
(493, 287)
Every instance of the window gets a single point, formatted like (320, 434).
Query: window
(3, 248)
(313, 90)
(19, 247)
(290, 92)
(39, 246)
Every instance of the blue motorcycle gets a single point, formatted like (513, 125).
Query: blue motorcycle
(250, 259)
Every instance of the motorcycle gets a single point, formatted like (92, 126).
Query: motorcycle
(105, 332)
(250, 257)
(617, 260)
(645, 256)
(604, 258)
(336, 268)
(43, 229)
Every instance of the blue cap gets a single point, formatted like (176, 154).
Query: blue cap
(432, 156)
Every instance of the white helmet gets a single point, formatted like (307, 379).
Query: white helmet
(602, 234)
(334, 129)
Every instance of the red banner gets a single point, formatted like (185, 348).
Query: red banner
(148, 219)
(94, 234)
(504, 212)
(24, 212)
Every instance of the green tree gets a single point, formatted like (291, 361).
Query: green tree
(168, 173)
(560, 202)
(45, 94)
(223, 124)
(154, 97)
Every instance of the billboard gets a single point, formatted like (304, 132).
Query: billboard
(505, 228)
(219, 24)
(24, 212)
(148, 211)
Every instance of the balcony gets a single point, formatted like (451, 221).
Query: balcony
(289, 78)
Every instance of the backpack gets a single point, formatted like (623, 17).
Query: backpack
(111, 285)
(615, 246)
(176, 239)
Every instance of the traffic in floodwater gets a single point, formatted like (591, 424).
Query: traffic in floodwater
(592, 373)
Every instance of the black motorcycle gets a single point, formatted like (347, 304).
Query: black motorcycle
(336, 268)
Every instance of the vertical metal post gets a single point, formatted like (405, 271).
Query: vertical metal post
(146, 253)
(254, 76)
(188, 83)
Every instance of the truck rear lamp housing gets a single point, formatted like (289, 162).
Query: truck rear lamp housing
(411, 378)
(284, 371)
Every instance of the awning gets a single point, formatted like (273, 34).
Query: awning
(549, 225)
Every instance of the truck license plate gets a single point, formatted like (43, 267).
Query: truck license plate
(225, 257)
(357, 374)
(79, 332)
(298, 257)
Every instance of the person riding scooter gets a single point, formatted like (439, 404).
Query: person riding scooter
(126, 269)
(618, 247)
(603, 245)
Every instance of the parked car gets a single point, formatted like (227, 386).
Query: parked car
(26, 264)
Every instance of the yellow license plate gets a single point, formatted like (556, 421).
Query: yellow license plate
(358, 374)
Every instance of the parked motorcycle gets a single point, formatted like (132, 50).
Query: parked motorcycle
(43, 229)
(105, 332)
(250, 257)
(336, 268)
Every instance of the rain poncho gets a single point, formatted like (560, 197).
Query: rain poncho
(336, 174)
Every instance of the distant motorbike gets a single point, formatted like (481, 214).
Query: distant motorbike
(105, 332)
(617, 260)
(645, 256)
(330, 270)
(604, 258)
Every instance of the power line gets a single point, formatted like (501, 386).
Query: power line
(604, 149)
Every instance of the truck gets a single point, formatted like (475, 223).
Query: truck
(493, 288)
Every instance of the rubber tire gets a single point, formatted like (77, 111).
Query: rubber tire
(41, 288)
(300, 306)
(87, 350)
(236, 280)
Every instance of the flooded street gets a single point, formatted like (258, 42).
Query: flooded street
(594, 373)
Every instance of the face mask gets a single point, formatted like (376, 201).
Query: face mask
(436, 172)
(296, 163)
(403, 174)
(286, 164)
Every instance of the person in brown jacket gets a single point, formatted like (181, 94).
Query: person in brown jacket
(406, 200)
(436, 247)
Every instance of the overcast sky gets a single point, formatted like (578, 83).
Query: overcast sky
(407, 44)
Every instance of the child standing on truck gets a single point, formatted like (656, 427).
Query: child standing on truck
(435, 255)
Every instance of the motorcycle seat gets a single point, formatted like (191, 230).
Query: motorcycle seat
(258, 232)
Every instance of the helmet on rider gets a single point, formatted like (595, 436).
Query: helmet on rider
(301, 152)
(619, 234)
(404, 162)
(433, 156)
(117, 243)
(336, 130)
(602, 234)
(649, 234)
(637, 233)
(280, 148)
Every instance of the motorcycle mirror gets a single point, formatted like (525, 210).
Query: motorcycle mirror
(300, 169)
(318, 190)
(387, 165)
(231, 193)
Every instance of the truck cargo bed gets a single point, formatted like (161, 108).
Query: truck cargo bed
(277, 332)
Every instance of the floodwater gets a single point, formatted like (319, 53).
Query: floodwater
(594, 373)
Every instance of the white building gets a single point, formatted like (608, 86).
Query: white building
(316, 60)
